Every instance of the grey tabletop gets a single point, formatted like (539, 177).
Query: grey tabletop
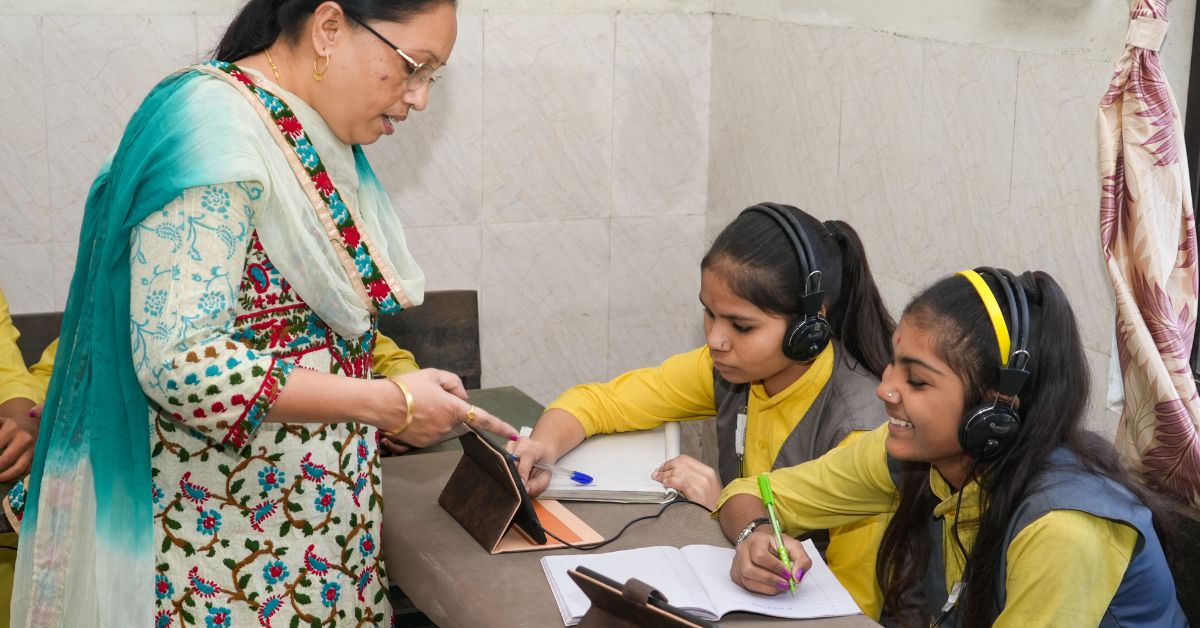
(457, 584)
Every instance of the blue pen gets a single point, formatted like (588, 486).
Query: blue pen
(576, 476)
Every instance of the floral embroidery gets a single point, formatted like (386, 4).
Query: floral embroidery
(325, 499)
(251, 519)
(208, 522)
(212, 303)
(275, 572)
(269, 477)
(219, 617)
(330, 594)
(216, 199)
(154, 302)
(293, 131)
(163, 587)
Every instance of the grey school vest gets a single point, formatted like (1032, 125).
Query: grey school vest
(846, 404)
(1146, 596)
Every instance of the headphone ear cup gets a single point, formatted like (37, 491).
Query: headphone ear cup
(806, 338)
(989, 431)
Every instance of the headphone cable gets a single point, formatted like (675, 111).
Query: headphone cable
(593, 546)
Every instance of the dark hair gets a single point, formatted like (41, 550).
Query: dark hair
(757, 259)
(1053, 407)
(261, 22)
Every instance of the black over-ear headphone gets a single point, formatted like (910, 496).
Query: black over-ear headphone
(808, 334)
(991, 429)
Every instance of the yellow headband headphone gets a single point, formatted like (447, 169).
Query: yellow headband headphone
(990, 430)
(993, 310)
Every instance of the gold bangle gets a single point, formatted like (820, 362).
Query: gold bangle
(408, 403)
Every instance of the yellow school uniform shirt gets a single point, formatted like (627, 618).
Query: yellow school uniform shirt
(390, 360)
(1063, 569)
(15, 381)
(681, 389)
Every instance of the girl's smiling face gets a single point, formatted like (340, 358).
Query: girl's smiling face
(925, 404)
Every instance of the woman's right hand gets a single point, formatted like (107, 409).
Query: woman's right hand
(441, 405)
(756, 565)
(530, 452)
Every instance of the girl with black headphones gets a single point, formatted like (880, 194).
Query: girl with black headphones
(797, 338)
(1006, 511)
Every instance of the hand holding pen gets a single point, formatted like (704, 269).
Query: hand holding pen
(768, 498)
(530, 454)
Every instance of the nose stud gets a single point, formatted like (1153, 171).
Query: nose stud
(891, 395)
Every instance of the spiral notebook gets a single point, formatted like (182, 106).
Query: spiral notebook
(620, 465)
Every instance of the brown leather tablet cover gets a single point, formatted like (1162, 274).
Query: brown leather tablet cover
(628, 606)
(481, 494)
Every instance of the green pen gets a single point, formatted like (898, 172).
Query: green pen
(768, 499)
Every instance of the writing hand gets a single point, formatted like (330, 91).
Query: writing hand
(756, 565)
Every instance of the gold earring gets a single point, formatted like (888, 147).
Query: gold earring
(320, 74)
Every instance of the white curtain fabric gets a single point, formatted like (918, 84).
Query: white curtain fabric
(1148, 234)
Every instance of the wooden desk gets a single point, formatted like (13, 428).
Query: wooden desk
(457, 584)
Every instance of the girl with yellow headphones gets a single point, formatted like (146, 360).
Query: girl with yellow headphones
(1006, 511)
(797, 336)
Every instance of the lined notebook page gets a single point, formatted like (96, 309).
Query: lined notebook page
(818, 595)
(620, 465)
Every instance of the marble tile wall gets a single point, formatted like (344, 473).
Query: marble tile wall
(562, 176)
(943, 156)
(573, 167)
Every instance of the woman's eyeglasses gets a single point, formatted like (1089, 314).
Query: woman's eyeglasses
(419, 74)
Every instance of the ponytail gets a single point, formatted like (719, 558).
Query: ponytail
(261, 22)
(858, 317)
(758, 260)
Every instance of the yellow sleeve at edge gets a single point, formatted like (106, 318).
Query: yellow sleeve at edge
(390, 360)
(15, 380)
(852, 552)
(679, 389)
(844, 486)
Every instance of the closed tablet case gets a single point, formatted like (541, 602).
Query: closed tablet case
(486, 497)
(634, 604)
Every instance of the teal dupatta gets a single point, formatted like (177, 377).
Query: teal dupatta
(86, 555)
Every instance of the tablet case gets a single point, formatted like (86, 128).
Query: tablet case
(486, 496)
(632, 605)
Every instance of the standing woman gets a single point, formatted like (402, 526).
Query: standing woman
(209, 450)
(1007, 512)
(797, 337)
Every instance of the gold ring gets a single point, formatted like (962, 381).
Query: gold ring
(471, 415)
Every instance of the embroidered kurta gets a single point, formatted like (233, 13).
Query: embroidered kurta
(146, 503)
(254, 523)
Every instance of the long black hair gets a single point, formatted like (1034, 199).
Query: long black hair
(261, 22)
(756, 258)
(1053, 406)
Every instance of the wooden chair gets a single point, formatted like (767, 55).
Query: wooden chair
(442, 333)
(37, 332)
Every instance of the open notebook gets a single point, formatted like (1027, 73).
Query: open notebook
(695, 578)
(620, 465)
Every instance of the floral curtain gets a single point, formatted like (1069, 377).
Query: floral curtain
(1148, 234)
